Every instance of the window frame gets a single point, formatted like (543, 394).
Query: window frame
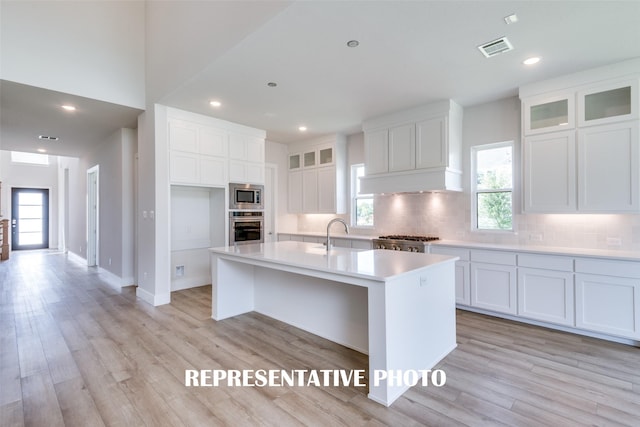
(354, 196)
(475, 191)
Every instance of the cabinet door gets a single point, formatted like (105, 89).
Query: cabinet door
(608, 162)
(546, 295)
(237, 147)
(213, 142)
(608, 304)
(463, 282)
(376, 148)
(213, 171)
(295, 192)
(402, 148)
(326, 156)
(254, 149)
(432, 143)
(295, 161)
(549, 172)
(310, 190)
(549, 113)
(183, 136)
(608, 103)
(184, 168)
(327, 190)
(493, 287)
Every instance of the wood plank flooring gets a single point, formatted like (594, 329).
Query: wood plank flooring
(75, 352)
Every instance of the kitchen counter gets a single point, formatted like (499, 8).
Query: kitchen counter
(375, 265)
(399, 307)
(548, 250)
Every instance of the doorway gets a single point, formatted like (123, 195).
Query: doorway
(92, 216)
(29, 218)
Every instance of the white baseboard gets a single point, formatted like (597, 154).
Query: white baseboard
(188, 283)
(154, 300)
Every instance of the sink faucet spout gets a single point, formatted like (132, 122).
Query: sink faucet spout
(346, 229)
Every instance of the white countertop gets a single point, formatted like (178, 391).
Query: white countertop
(548, 250)
(380, 265)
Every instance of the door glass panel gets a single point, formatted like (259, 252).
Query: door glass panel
(326, 156)
(550, 114)
(30, 212)
(610, 103)
(294, 161)
(309, 159)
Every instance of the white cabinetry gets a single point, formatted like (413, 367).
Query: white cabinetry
(584, 158)
(318, 176)
(197, 154)
(204, 151)
(463, 282)
(549, 172)
(608, 297)
(545, 288)
(246, 159)
(414, 150)
(609, 159)
(493, 281)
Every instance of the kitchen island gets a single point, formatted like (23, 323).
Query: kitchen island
(397, 307)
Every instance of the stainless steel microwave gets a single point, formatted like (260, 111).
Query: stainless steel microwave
(245, 196)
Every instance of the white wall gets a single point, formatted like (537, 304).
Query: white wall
(95, 49)
(15, 175)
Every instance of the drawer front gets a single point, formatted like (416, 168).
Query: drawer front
(461, 253)
(494, 257)
(546, 262)
(608, 267)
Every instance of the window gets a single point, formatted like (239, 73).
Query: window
(361, 204)
(30, 158)
(492, 186)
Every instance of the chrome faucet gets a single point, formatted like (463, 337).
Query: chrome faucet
(346, 228)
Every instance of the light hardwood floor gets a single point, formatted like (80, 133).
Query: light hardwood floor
(75, 352)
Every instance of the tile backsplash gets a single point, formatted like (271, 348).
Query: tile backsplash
(448, 216)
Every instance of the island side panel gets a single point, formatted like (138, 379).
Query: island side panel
(418, 329)
(232, 288)
(333, 310)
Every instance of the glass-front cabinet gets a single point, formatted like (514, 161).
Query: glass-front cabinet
(294, 162)
(549, 113)
(608, 103)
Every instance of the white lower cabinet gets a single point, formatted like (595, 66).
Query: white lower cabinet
(493, 287)
(608, 303)
(546, 295)
(463, 282)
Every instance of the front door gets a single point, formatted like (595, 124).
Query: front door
(29, 218)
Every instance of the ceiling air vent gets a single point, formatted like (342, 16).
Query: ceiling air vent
(48, 138)
(495, 47)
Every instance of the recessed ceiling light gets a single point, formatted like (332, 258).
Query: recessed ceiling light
(511, 19)
(531, 61)
(302, 128)
(41, 150)
(272, 84)
(353, 43)
(69, 107)
(215, 103)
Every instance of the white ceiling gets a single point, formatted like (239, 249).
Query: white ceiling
(410, 53)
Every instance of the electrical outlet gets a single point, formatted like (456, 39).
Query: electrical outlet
(179, 270)
(535, 237)
(614, 241)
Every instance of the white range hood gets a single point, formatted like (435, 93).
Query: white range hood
(414, 150)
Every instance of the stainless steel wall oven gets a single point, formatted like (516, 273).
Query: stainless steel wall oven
(246, 227)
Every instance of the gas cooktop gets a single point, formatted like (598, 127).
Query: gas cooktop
(400, 242)
(408, 237)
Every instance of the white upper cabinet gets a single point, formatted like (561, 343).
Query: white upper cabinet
(582, 159)
(549, 113)
(376, 148)
(209, 152)
(414, 150)
(608, 163)
(318, 176)
(608, 103)
(549, 172)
